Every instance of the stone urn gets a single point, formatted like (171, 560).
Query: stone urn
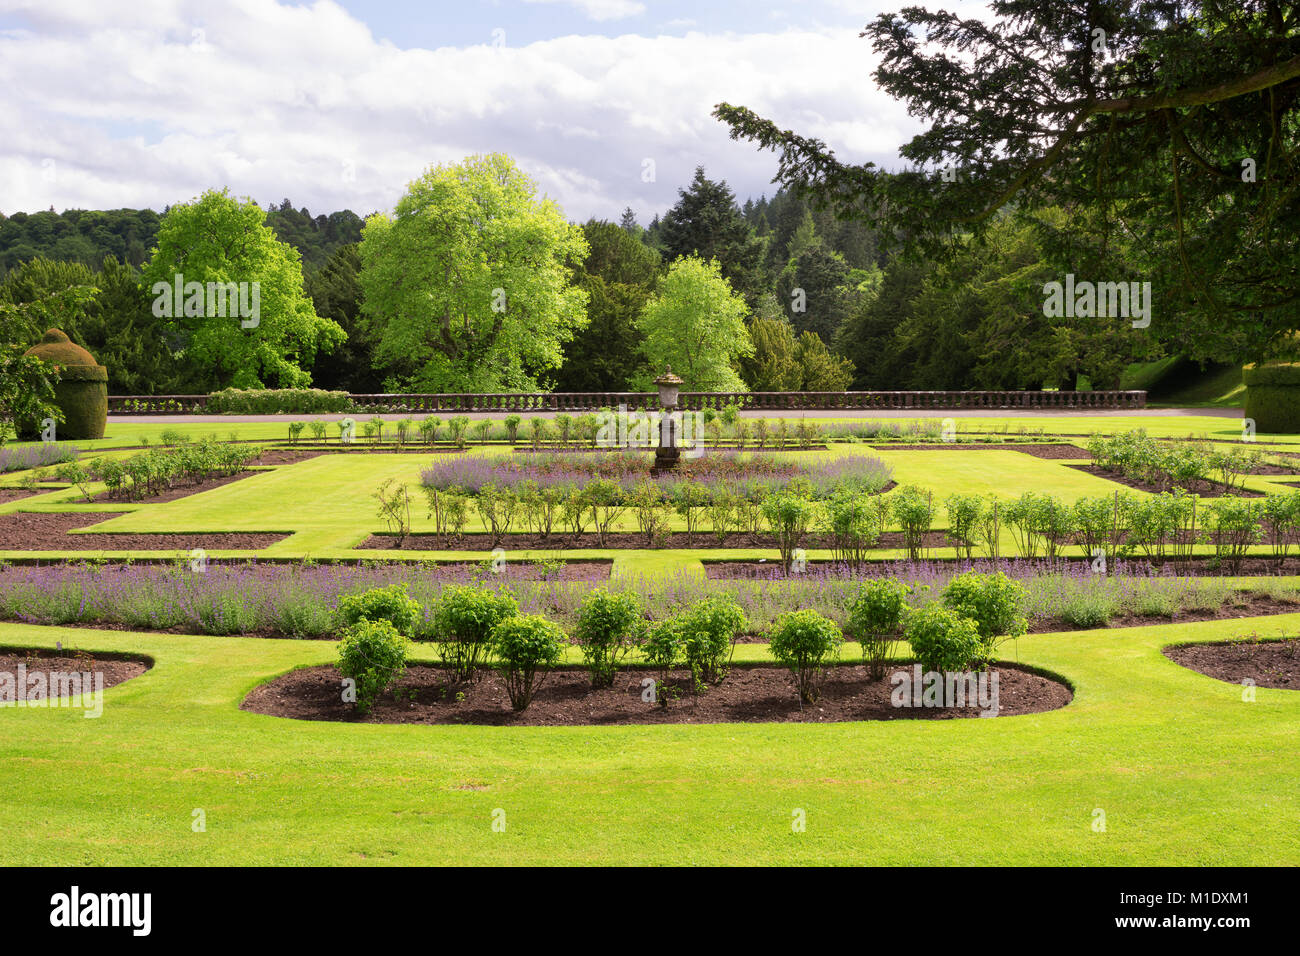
(667, 453)
(81, 391)
(669, 385)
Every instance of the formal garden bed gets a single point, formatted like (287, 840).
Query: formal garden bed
(1053, 451)
(48, 531)
(40, 665)
(425, 695)
(1205, 487)
(18, 494)
(1196, 565)
(1264, 663)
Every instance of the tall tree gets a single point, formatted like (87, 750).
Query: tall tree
(218, 239)
(468, 284)
(618, 275)
(706, 222)
(39, 280)
(815, 289)
(774, 366)
(696, 324)
(335, 291)
(142, 354)
(1166, 127)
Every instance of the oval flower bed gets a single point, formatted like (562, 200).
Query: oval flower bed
(1265, 663)
(566, 698)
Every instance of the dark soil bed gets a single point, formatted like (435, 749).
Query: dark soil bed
(361, 447)
(32, 531)
(18, 494)
(285, 456)
(749, 694)
(1201, 565)
(1275, 470)
(115, 668)
(1267, 663)
(1205, 488)
(1050, 450)
(1247, 604)
(618, 541)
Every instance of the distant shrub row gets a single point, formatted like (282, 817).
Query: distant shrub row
(278, 401)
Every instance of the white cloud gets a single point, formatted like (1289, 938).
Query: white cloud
(303, 102)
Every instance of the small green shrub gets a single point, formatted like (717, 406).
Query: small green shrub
(525, 648)
(804, 641)
(709, 631)
(964, 515)
(391, 604)
(373, 655)
(913, 510)
(462, 625)
(876, 621)
(609, 626)
(943, 640)
(789, 517)
(512, 423)
(993, 601)
(664, 649)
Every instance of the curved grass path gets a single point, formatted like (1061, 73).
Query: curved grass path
(1184, 770)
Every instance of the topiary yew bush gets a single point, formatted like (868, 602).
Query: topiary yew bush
(81, 389)
(1273, 396)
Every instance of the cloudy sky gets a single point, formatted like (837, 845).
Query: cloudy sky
(339, 103)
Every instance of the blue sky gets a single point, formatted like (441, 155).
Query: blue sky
(340, 103)
(408, 23)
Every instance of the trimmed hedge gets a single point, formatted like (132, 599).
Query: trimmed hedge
(81, 389)
(1273, 397)
(275, 401)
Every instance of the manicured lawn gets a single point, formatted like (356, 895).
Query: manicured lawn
(326, 506)
(1185, 772)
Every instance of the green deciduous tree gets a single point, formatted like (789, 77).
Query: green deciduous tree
(469, 284)
(696, 324)
(219, 239)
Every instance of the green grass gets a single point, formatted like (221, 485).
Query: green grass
(1186, 773)
(326, 507)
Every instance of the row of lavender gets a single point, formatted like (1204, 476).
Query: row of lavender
(301, 600)
(863, 473)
